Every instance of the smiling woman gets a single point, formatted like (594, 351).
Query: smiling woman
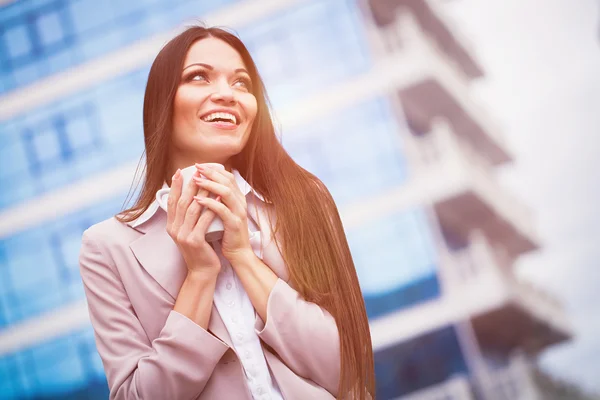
(271, 310)
(214, 106)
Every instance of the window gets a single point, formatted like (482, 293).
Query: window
(357, 152)
(395, 262)
(64, 367)
(35, 282)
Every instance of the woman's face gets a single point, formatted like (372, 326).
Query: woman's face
(214, 106)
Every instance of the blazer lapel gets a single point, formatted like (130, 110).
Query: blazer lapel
(160, 257)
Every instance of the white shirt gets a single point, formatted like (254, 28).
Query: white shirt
(237, 312)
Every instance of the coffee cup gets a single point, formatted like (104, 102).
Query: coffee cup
(215, 229)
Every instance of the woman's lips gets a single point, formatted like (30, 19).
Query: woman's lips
(221, 125)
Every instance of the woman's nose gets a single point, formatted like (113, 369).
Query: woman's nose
(223, 94)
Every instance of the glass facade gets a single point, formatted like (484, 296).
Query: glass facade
(43, 37)
(418, 363)
(39, 267)
(67, 368)
(356, 151)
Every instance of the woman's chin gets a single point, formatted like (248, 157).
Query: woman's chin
(223, 149)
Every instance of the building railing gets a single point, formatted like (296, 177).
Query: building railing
(442, 148)
(546, 306)
(479, 259)
(514, 382)
(405, 36)
(455, 388)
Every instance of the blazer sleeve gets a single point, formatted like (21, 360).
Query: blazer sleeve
(304, 335)
(175, 365)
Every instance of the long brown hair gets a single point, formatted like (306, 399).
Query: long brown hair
(308, 226)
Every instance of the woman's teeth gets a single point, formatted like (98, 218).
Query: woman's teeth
(220, 116)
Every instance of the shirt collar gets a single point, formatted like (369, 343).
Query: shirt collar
(244, 186)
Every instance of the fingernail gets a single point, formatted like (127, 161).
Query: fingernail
(199, 199)
(199, 166)
(177, 173)
(218, 198)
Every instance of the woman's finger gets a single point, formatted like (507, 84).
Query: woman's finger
(174, 194)
(187, 196)
(205, 220)
(192, 215)
(231, 198)
(217, 174)
(220, 209)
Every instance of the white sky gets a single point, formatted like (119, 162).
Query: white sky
(542, 62)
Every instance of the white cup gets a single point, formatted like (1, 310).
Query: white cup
(216, 229)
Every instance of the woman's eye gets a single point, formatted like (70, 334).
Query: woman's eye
(196, 76)
(242, 83)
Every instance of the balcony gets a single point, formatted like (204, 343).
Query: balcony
(437, 87)
(433, 20)
(465, 192)
(456, 388)
(514, 382)
(513, 314)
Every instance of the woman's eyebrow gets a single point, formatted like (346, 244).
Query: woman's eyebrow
(209, 67)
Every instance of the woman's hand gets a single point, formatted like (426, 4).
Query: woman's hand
(232, 210)
(187, 225)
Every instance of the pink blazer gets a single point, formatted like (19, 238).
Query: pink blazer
(131, 279)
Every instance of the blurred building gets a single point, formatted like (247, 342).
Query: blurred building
(372, 96)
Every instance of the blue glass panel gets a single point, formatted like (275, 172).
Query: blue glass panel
(13, 154)
(392, 251)
(58, 61)
(414, 292)
(58, 366)
(8, 388)
(46, 145)
(355, 145)
(21, 190)
(90, 14)
(96, 45)
(17, 40)
(7, 81)
(50, 29)
(126, 9)
(20, 386)
(69, 242)
(418, 363)
(54, 177)
(80, 134)
(26, 74)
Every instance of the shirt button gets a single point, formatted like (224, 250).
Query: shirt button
(260, 390)
(228, 286)
(231, 303)
(247, 354)
(234, 320)
(240, 336)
